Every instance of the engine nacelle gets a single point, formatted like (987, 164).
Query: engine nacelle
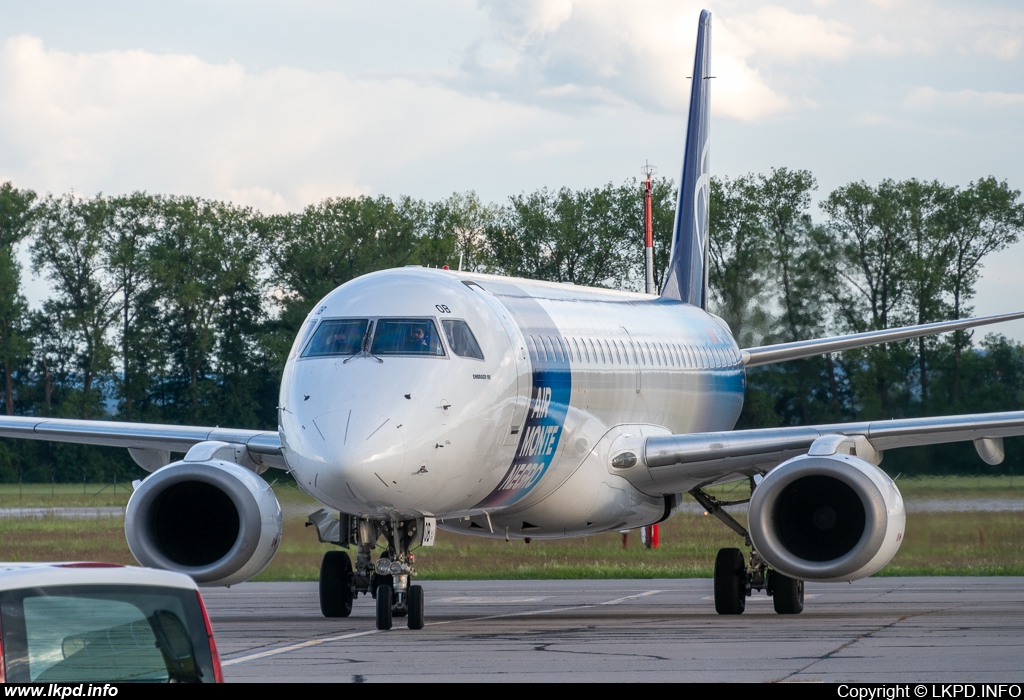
(216, 521)
(826, 518)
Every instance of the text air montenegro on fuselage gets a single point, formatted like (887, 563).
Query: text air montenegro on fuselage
(419, 398)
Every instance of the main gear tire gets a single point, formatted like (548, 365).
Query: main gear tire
(336, 591)
(730, 582)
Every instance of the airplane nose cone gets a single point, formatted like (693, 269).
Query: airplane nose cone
(363, 450)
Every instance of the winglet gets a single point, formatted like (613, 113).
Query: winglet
(687, 271)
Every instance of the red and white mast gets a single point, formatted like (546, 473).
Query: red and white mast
(648, 170)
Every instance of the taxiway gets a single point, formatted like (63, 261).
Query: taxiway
(875, 630)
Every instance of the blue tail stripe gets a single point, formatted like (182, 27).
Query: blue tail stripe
(686, 278)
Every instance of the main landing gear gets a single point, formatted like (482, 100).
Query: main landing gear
(388, 579)
(735, 579)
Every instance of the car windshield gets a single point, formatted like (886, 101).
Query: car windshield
(104, 633)
(406, 336)
(337, 337)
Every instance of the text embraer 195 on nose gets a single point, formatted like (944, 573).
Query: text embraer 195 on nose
(422, 398)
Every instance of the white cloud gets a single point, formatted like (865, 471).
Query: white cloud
(869, 119)
(930, 29)
(788, 37)
(552, 147)
(277, 139)
(927, 98)
(574, 55)
(998, 44)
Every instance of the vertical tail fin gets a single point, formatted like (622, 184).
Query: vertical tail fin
(686, 279)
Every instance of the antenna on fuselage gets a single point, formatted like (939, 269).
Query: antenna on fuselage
(648, 170)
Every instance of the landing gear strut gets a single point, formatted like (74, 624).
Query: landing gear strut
(736, 579)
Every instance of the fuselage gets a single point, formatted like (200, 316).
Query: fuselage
(504, 430)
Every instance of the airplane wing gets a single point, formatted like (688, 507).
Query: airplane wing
(676, 463)
(149, 443)
(783, 352)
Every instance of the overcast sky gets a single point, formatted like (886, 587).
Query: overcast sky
(280, 104)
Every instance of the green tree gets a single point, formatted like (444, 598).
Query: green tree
(740, 246)
(206, 261)
(980, 220)
(565, 236)
(68, 248)
(15, 222)
(129, 237)
(453, 232)
(869, 249)
(923, 204)
(772, 213)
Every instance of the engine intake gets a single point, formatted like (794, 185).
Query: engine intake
(216, 521)
(827, 518)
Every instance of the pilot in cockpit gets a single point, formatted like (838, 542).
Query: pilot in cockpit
(417, 340)
(340, 339)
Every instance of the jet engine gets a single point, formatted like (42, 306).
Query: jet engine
(214, 520)
(826, 518)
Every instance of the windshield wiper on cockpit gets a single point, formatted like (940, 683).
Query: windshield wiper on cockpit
(364, 350)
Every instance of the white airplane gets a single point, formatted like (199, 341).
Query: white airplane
(421, 398)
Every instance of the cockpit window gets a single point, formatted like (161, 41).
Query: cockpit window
(461, 340)
(337, 337)
(406, 336)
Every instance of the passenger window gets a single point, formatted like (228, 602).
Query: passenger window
(593, 352)
(563, 349)
(576, 347)
(461, 339)
(533, 348)
(406, 336)
(337, 337)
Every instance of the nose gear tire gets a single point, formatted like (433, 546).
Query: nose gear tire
(384, 607)
(415, 607)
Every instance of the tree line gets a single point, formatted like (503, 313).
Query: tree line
(181, 309)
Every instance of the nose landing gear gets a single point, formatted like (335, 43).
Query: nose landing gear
(388, 579)
(395, 596)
